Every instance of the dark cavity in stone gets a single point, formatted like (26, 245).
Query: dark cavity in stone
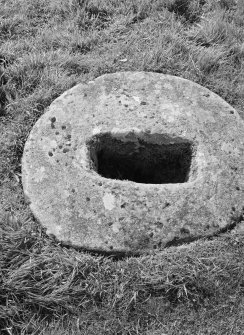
(144, 158)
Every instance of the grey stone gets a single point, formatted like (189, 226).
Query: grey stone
(133, 161)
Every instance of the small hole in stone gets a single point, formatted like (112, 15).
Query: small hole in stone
(237, 188)
(65, 150)
(50, 154)
(231, 112)
(57, 133)
(143, 158)
(88, 199)
(63, 127)
(184, 230)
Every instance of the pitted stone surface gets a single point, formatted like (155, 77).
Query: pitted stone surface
(134, 160)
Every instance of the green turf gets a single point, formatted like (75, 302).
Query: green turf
(47, 47)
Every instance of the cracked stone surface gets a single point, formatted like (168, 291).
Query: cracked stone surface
(132, 161)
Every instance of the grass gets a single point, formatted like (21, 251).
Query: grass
(47, 47)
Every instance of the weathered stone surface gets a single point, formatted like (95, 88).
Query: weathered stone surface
(132, 161)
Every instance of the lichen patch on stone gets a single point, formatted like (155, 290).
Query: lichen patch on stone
(39, 174)
(109, 201)
(96, 131)
(116, 227)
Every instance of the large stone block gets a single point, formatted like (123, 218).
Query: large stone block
(133, 161)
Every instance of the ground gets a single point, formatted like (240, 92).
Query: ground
(47, 47)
